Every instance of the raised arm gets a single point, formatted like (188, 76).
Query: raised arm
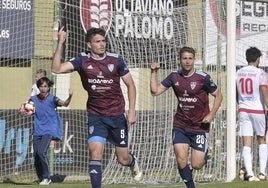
(156, 88)
(58, 67)
(264, 91)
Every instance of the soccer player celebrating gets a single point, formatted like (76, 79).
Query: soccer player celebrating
(100, 73)
(192, 120)
(252, 96)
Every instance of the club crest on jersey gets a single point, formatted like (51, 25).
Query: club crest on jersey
(111, 67)
(193, 84)
(91, 129)
(96, 14)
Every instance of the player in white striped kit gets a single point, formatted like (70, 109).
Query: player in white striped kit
(252, 96)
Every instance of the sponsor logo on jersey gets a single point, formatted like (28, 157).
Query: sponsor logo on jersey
(93, 87)
(187, 99)
(99, 88)
(100, 81)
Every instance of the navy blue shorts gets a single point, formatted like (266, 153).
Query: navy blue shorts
(196, 140)
(111, 128)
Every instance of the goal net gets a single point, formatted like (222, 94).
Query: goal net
(142, 32)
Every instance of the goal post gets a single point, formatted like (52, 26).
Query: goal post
(231, 92)
(142, 32)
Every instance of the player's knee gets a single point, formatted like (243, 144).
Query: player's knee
(126, 159)
(123, 160)
(95, 154)
(197, 165)
(182, 162)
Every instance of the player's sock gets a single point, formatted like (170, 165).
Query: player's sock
(132, 160)
(95, 173)
(206, 157)
(263, 157)
(186, 175)
(246, 153)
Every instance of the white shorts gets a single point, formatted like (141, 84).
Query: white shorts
(249, 123)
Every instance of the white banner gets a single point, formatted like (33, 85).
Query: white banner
(252, 30)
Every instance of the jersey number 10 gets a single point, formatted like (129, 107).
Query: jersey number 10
(246, 85)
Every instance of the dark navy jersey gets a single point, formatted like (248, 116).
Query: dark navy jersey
(46, 118)
(101, 79)
(193, 100)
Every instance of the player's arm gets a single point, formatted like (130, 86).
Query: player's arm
(68, 100)
(131, 89)
(264, 91)
(156, 88)
(58, 67)
(216, 105)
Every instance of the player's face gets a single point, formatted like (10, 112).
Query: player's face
(187, 62)
(44, 89)
(97, 46)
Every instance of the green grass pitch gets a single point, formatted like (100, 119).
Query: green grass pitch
(234, 184)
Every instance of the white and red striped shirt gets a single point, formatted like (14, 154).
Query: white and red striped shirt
(249, 80)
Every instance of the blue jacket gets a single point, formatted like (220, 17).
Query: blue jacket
(46, 118)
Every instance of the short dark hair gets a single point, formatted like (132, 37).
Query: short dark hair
(94, 31)
(44, 80)
(187, 49)
(252, 54)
